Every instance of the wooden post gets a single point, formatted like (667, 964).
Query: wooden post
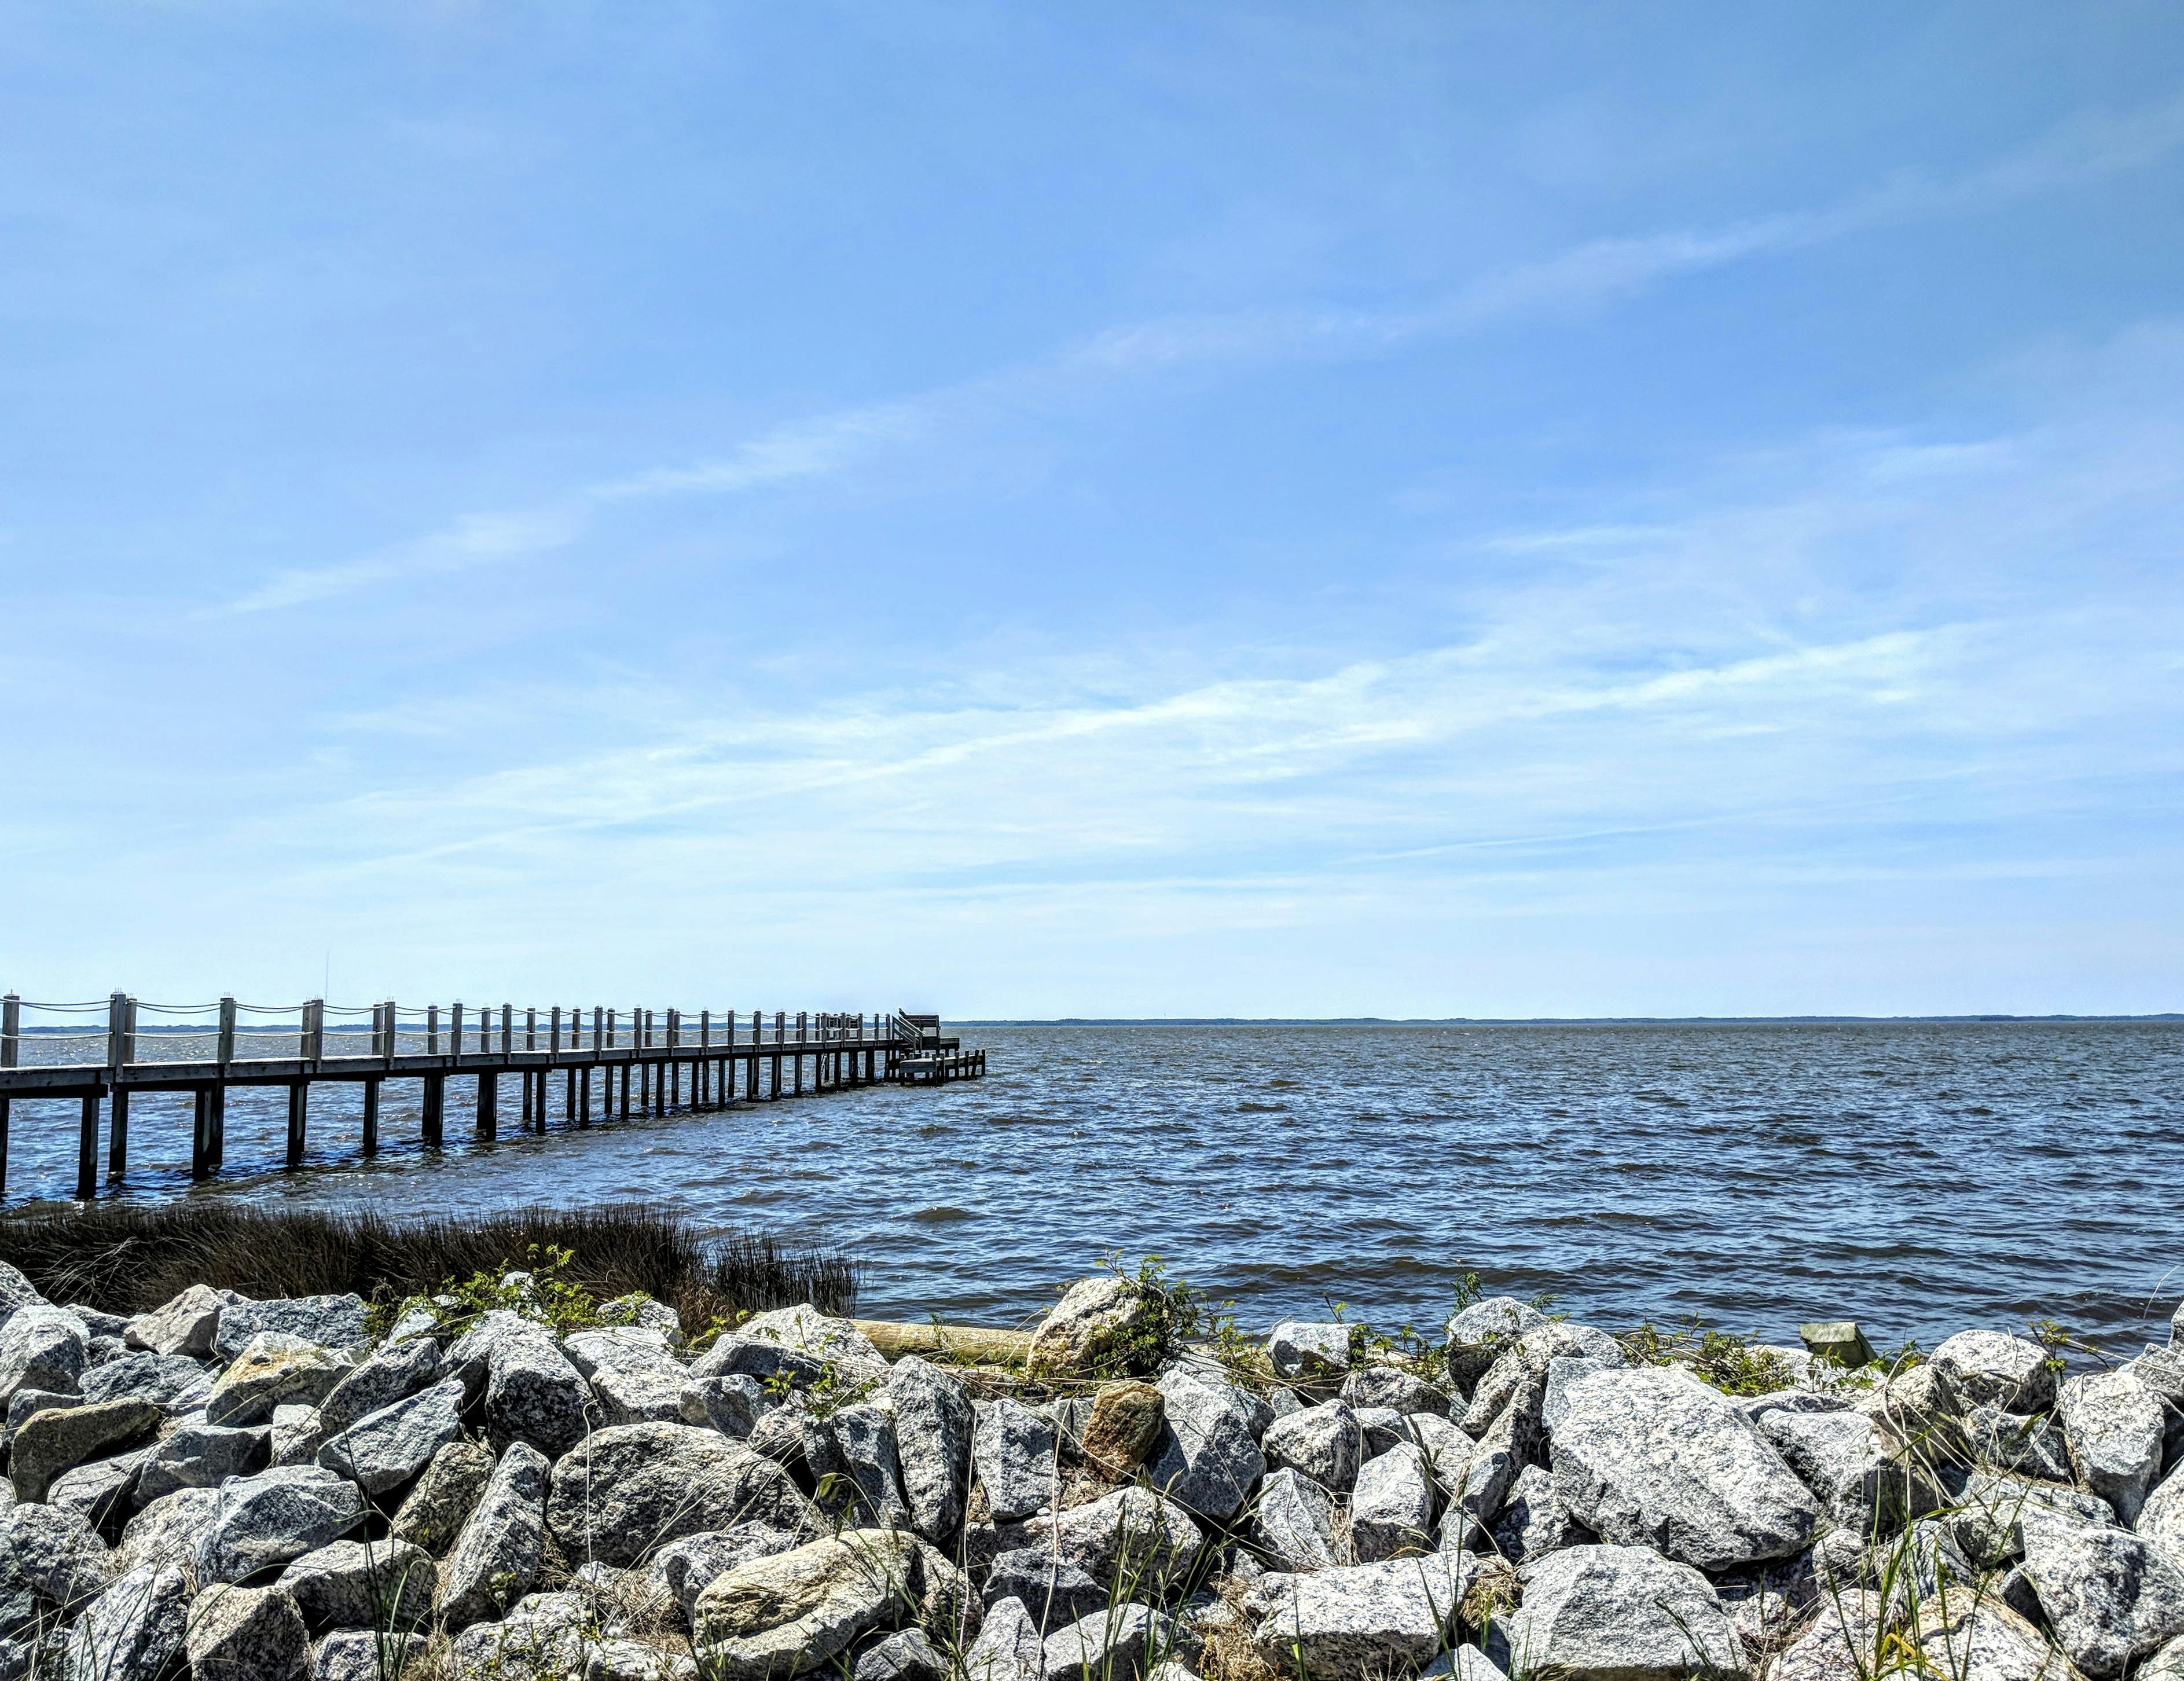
(370, 1114)
(117, 1130)
(625, 1091)
(219, 1125)
(11, 1034)
(314, 1045)
(300, 1097)
(86, 1150)
(488, 1105)
(580, 1094)
(201, 1132)
(431, 1030)
(224, 1051)
(434, 1107)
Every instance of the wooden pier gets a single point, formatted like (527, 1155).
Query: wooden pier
(611, 1065)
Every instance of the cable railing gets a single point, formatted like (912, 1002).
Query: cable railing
(227, 1031)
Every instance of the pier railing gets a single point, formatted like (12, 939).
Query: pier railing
(109, 1049)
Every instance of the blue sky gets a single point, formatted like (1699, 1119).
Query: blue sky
(1096, 510)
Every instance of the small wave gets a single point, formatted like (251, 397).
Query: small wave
(942, 1216)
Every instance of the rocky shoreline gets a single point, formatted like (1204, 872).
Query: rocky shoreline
(513, 1480)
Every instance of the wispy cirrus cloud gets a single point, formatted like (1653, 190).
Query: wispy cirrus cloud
(1593, 273)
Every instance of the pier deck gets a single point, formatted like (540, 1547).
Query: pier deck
(649, 1063)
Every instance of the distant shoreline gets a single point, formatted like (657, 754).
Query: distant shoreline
(1526, 1021)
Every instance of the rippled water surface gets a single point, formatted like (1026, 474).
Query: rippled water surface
(1919, 1176)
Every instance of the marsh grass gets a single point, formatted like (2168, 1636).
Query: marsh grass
(127, 1259)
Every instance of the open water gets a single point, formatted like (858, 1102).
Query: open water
(1919, 1177)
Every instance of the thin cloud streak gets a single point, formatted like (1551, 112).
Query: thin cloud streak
(1596, 272)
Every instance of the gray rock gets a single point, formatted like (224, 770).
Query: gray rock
(273, 1369)
(835, 1343)
(2010, 1441)
(1013, 1450)
(1392, 1386)
(16, 1291)
(1382, 1428)
(1477, 1495)
(383, 1451)
(265, 1521)
(1009, 1647)
(24, 1404)
(731, 1404)
(1994, 1366)
(2161, 1519)
(1562, 1375)
(61, 1439)
(633, 1377)
(330, 1321)
(1206, 1458)
(1654, 1458)
(1299, 1348)
(645, 1312)
(1533, 1521)
(2161, 1370)
(185, 1325)
(1461, 1663)
(50, 1562)
(1621, 1614)
(758, 1358)
(1325, 1443)
(1477, 1335)
(1089, 1329)
(495, 1559)
(247, 1635)
(1053, 1593)
(1919, 1410)
(200, 1457)
(1361, 1620)
(1292, 1521)
(2109, 1597)
(683, 1569)
(173, 1382)
(1153, 1536)
(363, 1654)
(617, 1347)
(1842, 1644)
(634, 1488)
(433, 1514)
(933, 1430)
(801, 1609)
(1985, 1508)
(395, 1373)
(168, 1531)
(853, 1456)
(534, 1395)
(544, 1638)
(1972, 1637)
(102, 1492)
(42, 1347)
(904, 1655)
(1392, 1507)
(1119, 1643)
(134, 1630)
(295, 1436)
(363, 1585)
(2113, 1424)
(1845, 1459)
